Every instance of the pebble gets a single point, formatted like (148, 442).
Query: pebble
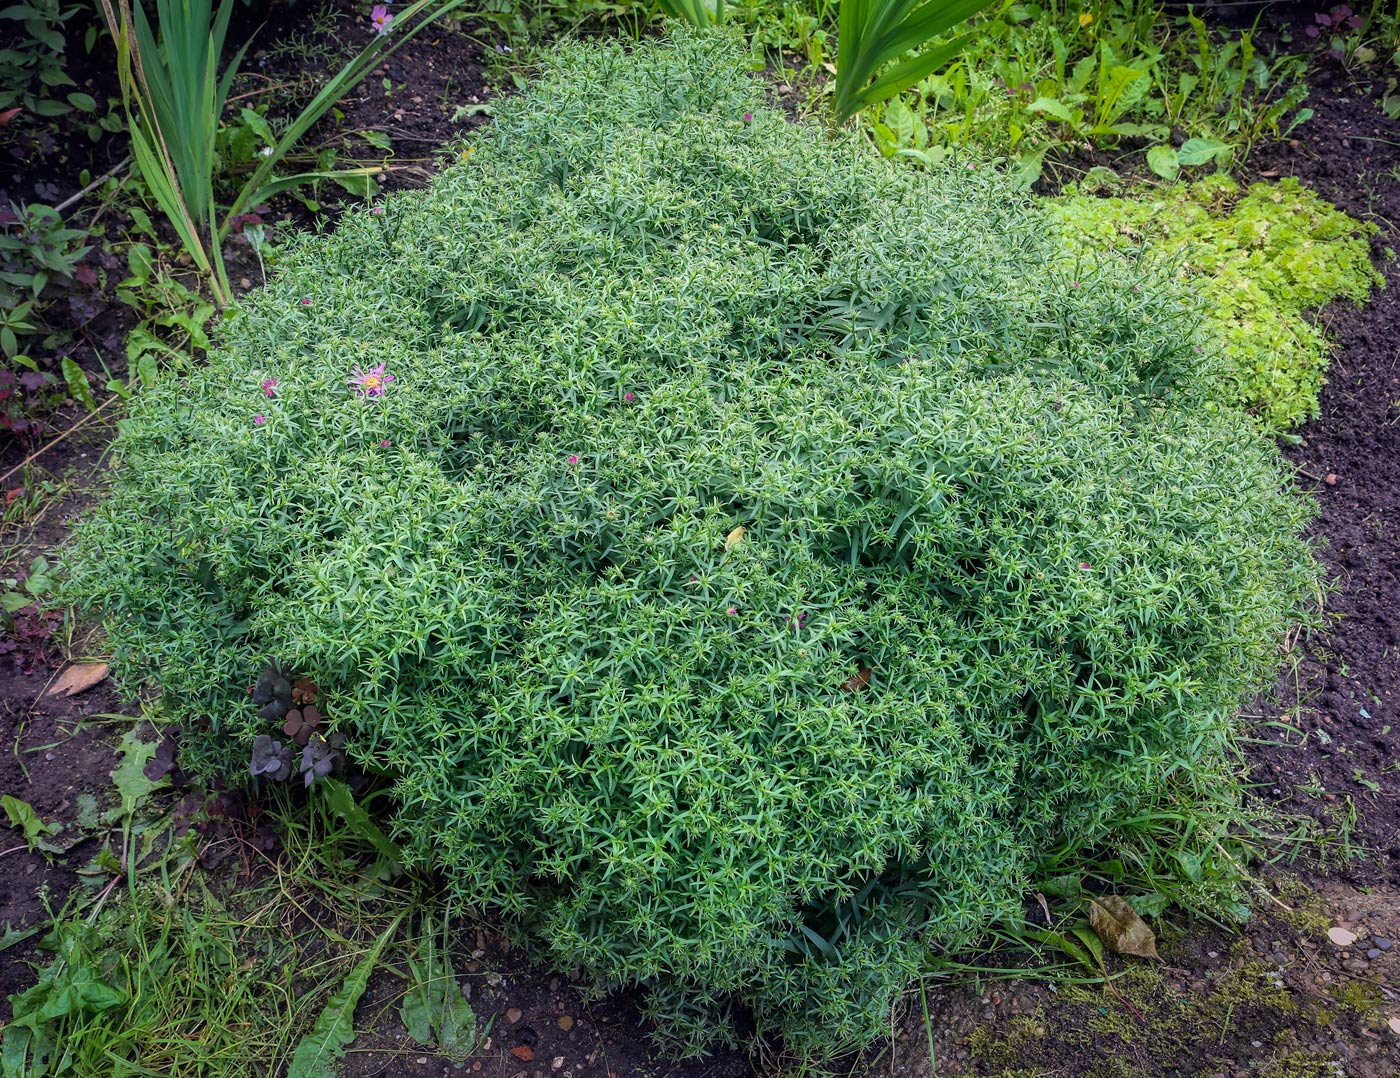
(1383, 944)
(566, 1023)
(1394, 1025)
(1341, 937)
(513, 1015)
(1355, 965)
(1331, 479)
(1374, 952)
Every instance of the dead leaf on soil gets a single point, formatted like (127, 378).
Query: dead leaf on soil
(735, 537)
(1120, 928)
(859, 680)
(523, 1052)
(79, 678)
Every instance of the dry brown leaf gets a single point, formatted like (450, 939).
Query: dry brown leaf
(523, 1052)
(859, 680)
(735, 537)
(1120, 928)
(79, 678)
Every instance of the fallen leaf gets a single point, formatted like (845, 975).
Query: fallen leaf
(735, 537)
(1394, 1024)
(523, 1052)
(858, 680)
(513, 1015)
(1120, 928)
(1341, 937)
(79, 678)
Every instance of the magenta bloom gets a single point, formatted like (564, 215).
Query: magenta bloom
(732, 611)
(384, 444)
(380, 19)
(269, 387)
(1085, 565)
(748, 117)
(305, 302)
(573, 459)
(371, 383)
(629, 397)
(259, 420)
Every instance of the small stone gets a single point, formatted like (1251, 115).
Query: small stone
(1383, 944)
(245, 282)
(1394, 1024)
(566, 1023)
(1355, 965)
(1341, 937)
(1331, 479)
(1374, 952)
(557, 1063)
(513, 1015)
(421, 1060)
(1212, 954)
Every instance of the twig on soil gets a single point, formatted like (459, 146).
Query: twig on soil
(13, 849)
(95, 183)
(41, 451)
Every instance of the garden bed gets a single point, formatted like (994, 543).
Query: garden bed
(1325, 746)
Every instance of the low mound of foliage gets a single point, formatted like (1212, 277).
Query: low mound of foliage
(1260, 261)
(748, 558)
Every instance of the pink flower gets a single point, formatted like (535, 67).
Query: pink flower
(259, 420)
(1074, 284)
(1085, 565)
(732, 611)
(269, 387)
(305, 302)
(380, 19)
(384, 444)
(629, 397)
(573, 459)
(378, 210)
(748, 117)
(371, 383)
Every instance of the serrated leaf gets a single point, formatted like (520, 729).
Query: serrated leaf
(77, 383)
(435, 1012)
(130, 774)
(1120, 928)
(23, 816)
(319, 1051)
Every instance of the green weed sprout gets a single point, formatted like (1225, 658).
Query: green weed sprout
(758, 559)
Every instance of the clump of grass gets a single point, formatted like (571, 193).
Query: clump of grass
(746, 557)
(1262, 260)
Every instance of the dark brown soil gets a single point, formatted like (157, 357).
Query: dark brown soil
(1339, 742)
(1327, 741)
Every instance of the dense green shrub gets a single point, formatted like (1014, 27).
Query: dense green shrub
(1001, 580)
(1260, 262)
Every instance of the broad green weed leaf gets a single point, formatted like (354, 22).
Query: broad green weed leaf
(435, 1012)
(77, 383)
(1197, 151)
(23, 816)
(1163, 161)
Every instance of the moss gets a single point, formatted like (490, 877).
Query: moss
(1259, 260)
(1362, 997)
(1300, 1065)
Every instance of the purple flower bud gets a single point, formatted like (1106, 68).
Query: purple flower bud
(259, 420)
(573, 459)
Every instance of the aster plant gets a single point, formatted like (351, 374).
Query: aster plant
(765, 562)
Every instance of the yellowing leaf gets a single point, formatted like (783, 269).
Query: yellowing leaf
(79, 678)
(1120, 928)
(735, 537)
